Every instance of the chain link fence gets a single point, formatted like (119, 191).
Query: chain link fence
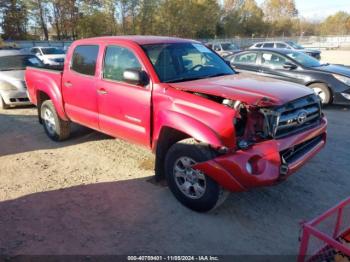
(317, 42)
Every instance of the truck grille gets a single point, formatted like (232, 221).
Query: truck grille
(293, 117)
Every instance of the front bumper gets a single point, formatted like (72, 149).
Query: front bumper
(231, 172)
(15, 97)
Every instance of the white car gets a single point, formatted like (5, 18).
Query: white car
(13, 89)
(51, 56)
(287, 45)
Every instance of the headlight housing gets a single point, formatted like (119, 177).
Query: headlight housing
(5, 86)
(343, 79)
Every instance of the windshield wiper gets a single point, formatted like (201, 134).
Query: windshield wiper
(182, 79)
(219, 74)
(194, 78)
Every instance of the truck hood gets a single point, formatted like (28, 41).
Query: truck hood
(247, 88)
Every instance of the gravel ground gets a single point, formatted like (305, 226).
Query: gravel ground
(336, 56)
(94, 195)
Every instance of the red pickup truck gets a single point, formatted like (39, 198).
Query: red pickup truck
(213, 130)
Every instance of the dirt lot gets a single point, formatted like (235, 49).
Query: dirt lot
(92, 195)
(336, 56)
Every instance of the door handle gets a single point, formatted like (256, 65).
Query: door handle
(102, 91)
(68, 84)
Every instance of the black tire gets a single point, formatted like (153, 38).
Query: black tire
(326, 98)
(61, 129)
(213, 196)
(3, 105)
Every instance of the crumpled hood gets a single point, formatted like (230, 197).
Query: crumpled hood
(247, 88)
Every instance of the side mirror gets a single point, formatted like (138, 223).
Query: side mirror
(136, 77)
(289, 66)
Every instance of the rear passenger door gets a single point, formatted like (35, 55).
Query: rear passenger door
(79, 86)
(124, 109)
(246, 62)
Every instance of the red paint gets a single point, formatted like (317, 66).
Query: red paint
(138, 114)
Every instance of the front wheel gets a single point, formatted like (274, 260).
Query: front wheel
(191, 187)
(323, 93)
(56, 128)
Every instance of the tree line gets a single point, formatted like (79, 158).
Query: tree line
(72, 19)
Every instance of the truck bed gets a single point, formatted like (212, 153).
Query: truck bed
(40, 78)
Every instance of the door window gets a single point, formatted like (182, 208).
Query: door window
(281, 45)
(248, 58)
(273, 60)
(268, 45)
(84, 59)
(217, 47)
(117, 60)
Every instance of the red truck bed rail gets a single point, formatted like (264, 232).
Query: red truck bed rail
(327, 236)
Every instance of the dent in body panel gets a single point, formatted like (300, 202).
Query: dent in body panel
(199, 117)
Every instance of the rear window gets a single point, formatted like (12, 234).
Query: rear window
(84, 59)
(258, 45)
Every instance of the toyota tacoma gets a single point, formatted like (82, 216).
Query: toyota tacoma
(212, 130)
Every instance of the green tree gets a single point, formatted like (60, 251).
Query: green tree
(337, 24)
(15, 19)
(279, 14)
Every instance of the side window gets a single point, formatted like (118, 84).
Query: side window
(117, 60)
(217, 47)
(273, 60)
(258, 45)
(248, 58)
(84, 59)
(268, 45)
(281, 45)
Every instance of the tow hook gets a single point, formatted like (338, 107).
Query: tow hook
(284, 167)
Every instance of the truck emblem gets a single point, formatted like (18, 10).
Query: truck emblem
(301, 118)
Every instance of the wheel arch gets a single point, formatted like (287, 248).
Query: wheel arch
(176, 127)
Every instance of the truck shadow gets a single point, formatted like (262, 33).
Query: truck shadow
(136, 217)
(22, 133)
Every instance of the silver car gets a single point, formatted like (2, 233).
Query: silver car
(13, 89)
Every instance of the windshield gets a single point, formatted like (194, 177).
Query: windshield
(294, 45)
(52, 51)
(304, 59)
(185, 61)
(19, 62)
(228, 47)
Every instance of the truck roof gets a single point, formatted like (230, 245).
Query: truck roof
(140, 39)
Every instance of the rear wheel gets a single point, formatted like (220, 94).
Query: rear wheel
(56, 128)
(191, 187)
(3, 105)
(323, 92)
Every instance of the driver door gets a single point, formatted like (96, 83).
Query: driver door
(124, 109)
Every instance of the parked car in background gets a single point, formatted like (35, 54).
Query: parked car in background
(224, 48)
(51, 56)
(287, 45)
(330, 82)
(12, 85)
(212, 130)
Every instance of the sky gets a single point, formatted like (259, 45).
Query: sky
(319, 9)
